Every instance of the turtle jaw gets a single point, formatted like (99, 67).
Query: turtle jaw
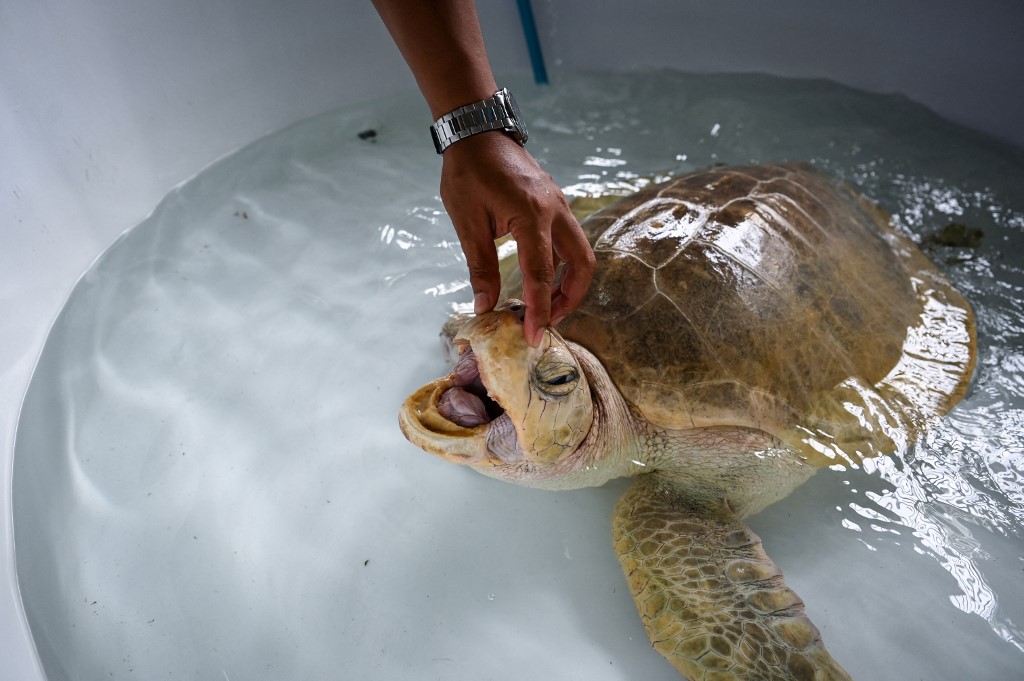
(424, 426)
(457, 418)
(507, 409)
(488, 438)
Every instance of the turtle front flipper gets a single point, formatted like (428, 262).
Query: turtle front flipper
(713, 603)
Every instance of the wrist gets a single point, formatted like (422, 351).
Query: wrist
(491, 144)
(498, 112)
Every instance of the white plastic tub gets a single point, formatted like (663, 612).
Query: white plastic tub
(105, 105)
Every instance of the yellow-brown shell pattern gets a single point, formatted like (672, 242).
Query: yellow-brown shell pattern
(776, 298)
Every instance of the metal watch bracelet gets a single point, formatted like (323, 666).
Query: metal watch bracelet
(499, 112)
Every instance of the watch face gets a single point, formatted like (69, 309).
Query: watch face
(512, 108)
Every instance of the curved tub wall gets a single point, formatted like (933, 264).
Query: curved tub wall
(105, 106)
(964, 60)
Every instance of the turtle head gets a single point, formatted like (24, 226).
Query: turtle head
(510, 410)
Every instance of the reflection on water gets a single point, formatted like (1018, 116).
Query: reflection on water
(963, 482)
(935, 501)
(209, 480)
(965, 476)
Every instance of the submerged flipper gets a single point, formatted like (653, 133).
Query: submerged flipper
(713, 603)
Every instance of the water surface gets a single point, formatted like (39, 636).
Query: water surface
(210, 482)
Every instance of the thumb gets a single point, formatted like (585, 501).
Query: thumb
(484, 275)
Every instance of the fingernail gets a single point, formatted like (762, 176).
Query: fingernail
(480, 303)
(538, 336)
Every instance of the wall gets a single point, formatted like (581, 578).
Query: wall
(965, 60)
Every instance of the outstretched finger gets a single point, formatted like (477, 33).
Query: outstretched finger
(572, 247)
(538, 274)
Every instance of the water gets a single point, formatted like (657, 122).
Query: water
(210, 481)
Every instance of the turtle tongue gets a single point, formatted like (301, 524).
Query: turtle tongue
(467, 404)
(466, 371)
(462, 407)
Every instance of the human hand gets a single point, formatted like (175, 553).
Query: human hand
(491, 187)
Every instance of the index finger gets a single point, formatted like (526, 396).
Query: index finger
(538, 270)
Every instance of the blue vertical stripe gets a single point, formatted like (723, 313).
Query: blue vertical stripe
(540, 74)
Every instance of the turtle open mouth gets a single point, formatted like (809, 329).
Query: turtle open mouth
(458, 416)
(467, 403)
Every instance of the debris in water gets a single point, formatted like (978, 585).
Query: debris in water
(956, 235)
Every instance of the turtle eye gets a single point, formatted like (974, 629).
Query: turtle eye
(563, 379)
(556, 373)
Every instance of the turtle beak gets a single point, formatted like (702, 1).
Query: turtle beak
(425, 427)
(432, 417)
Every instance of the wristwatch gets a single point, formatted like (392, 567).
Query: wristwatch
(499, 112)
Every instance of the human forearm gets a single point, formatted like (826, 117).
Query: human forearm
(490, 185)
(441, 42)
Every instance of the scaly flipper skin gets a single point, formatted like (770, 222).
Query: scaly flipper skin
(713, 603)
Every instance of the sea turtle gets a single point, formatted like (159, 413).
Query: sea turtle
(745, 327)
